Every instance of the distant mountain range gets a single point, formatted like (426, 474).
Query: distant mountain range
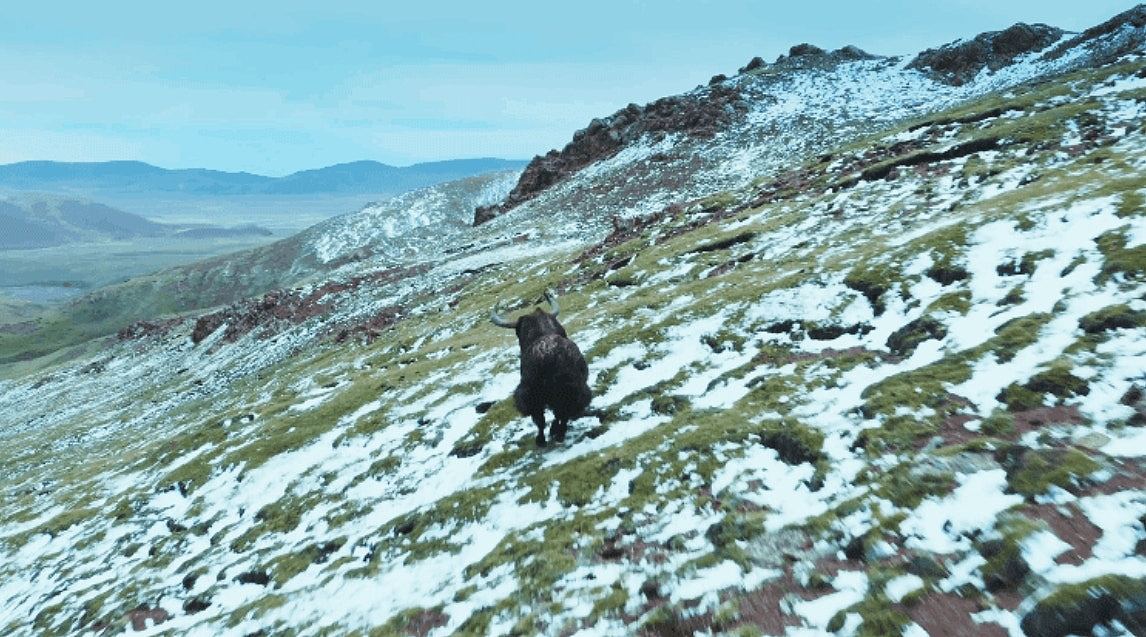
(121, 177)
(41, 221)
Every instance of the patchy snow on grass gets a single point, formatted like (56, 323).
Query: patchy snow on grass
(943, 525)
(727, 574)
(1040, 549)
(787, 496)
(898, 587)
(682, 348)
(851, 586)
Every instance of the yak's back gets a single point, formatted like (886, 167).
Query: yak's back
(557, 371)
(554, 355)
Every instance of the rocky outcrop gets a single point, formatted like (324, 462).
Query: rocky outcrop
(1117, 36)
(243, 317)
(809, 55)
(959, 62)
(699, 114)
(279, 308)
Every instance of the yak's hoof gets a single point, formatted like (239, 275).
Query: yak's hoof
(540, 440)
(558, 433)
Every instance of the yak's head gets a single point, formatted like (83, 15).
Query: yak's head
(531, 327)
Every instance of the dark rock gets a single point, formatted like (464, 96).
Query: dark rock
(189, 580)
(610, 551)
(831, 332)
(717, 79)
(789, 447)
(467, 449)
(323, 551)
(1132, 397)
(959, 62)
(805, 49)
(753, 64)
(903, 341)
(852, 52)
(175, 527)
(946, 274)
(253, 577)
(1010, 568)
(780, 327)
(651, 590)
(483, 407)
(855, 549)
(196, 605)
(406, 527)
(1077, 609)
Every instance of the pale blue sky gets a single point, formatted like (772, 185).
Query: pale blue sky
(274, 87)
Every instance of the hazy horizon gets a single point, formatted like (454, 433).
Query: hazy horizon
(273, 89)
(211, 168)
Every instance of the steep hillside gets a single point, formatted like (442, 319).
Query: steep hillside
(894, 389)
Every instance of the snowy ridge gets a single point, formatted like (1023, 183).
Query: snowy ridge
(793, 113)
(435, 211)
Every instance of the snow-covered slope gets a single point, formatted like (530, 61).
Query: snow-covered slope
(770, 117)
(895, 389)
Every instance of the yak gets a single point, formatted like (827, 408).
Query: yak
(554, 375)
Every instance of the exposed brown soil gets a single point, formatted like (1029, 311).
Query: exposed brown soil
(949, 615)
(1071, 527)
(1031, 419)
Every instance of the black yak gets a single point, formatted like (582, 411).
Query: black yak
(553, 371)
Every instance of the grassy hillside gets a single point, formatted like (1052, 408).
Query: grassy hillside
(896, 386)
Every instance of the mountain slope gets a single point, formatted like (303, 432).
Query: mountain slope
(390, 234)
(894, 389)
(39, 221)
(769, 117)
(363, 177)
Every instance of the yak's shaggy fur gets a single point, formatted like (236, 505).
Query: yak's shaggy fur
(554, 375)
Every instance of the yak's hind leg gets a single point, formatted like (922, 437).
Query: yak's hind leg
(528, 403)
(539, 420)
(558, 429)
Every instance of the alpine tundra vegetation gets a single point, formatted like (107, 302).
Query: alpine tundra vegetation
(878, 373)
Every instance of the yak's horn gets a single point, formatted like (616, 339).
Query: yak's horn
(552, 303)
(500, 320)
